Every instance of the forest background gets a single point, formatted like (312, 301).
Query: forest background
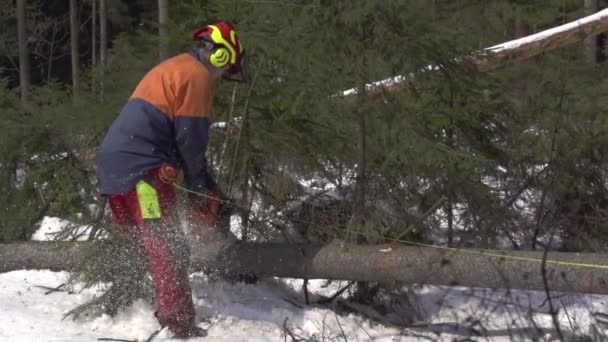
(513, 158)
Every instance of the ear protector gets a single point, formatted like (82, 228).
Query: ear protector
(220, 56)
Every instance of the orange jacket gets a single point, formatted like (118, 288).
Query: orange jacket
(166, 120)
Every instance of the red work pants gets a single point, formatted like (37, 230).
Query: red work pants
(147, 215)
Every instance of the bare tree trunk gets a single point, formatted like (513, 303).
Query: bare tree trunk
(358, 210)
(449, 179)
(591, 42)
(24, 62)
(364, 290)
(361, 186)
(74, 28)
(163, 29)
(387, 264)
(245, 188)
(449, 210)
(93, 42)
(103, 45)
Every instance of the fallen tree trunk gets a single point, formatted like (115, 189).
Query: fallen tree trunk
(384, 263)
(509, 52)
(544, 41)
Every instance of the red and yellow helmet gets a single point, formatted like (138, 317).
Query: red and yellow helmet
(229, 50)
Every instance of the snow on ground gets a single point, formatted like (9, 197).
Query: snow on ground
(265, 311)
(275, 310)
(240, 312)
(236, 312)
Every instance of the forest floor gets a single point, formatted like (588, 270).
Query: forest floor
(276, 310)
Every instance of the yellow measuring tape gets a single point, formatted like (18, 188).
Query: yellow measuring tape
(468, 251)
(503, 256)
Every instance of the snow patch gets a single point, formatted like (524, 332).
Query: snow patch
(230, 312)
(52, 227)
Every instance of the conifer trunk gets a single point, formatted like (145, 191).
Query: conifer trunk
(24, 62)
(74, 28)
(163, 29)
(591, 42)
(103, 44)
(93, 42)
(388, 264)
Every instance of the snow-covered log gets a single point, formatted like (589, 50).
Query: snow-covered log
(533, 45)
(382, 263)
(512, 51)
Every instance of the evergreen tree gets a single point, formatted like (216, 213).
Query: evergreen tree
(507, 158)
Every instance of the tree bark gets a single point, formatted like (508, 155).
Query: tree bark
(533, 45)
(591, 42)
(24, 62)
(103, 45)
(74, 28)
(163, 29)
(381, 263)
(510, 52)
(93, 32)
(93, 43)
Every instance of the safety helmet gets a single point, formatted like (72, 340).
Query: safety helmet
(227, 49)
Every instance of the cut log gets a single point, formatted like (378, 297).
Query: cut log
(381, 263)
(510, 52)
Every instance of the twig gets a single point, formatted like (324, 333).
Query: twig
(340, 326)
(149, 339)
(54, 289)
(554, 297)
(242, 127)
(370, 312)
(371, 338)
(228, 130)
(100, 216)
(572, 327)
(335, 295)
(293, 302)
(293, 336)
(305, 288)
(548, 293)
(324, 325)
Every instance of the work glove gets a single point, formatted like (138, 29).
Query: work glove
(167, 173)
(205, 208)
